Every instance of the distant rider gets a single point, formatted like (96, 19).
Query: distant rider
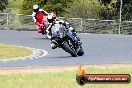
(39, 19)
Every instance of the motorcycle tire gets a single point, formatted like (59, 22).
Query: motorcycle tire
(66, 47)
(80, 52)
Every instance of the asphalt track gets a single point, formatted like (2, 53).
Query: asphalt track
(99, 49)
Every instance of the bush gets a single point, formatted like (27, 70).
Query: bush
(3, 4)
(85, 8)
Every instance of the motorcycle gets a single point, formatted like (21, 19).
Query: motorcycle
(62, 38)
(43, 28)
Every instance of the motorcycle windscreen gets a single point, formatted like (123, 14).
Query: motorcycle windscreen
(57, 30)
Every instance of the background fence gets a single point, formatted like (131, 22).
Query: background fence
(25, 22)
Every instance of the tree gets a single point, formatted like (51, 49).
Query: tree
(27, 6)
(3, 4)
(127, 10)
(112, 10)
(85, 8)
(105, 1)
(57, 6)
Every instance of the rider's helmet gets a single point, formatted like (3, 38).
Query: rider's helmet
(36, 8)
(51, 17)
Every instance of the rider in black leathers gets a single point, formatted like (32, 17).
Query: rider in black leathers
(71, 32)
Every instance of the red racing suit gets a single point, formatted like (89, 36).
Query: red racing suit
(39, 18)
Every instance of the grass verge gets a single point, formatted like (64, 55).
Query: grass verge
(12, 51)
(14, 6)
(58, 77)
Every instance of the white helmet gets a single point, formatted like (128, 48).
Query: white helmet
(36, 8)
(51, 17)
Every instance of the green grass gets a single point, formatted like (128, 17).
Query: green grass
(12, 51)
(60, 79)
(14, 6)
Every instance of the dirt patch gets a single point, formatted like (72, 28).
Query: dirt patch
(15, 70)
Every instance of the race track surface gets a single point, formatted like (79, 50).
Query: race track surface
(99, 49)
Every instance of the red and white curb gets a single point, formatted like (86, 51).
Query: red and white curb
(36, 53)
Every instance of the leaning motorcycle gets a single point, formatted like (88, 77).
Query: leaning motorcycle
(61, 37)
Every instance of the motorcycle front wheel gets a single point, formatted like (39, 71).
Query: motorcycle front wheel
(68, 49)
(80, 52)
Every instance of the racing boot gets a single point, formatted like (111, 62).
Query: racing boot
(48, 30)
(48, 35)
(39, 30)
(53, 44)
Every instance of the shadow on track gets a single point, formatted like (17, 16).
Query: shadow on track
(41, 38)
(61, 57)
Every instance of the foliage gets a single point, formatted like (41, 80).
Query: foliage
(85, 8)
(3, 4)
(112, 10)
(56, 6)
(109, 12)
(105, 1)
(127, 10)
(27, 7)
(14, 6)
(103, 9)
